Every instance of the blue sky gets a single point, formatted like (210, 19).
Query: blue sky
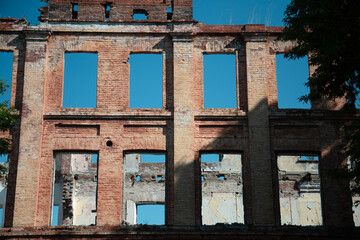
(291, 74)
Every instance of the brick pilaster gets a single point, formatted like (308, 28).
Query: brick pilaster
(184, 179)
(259, 135)
(31, 129)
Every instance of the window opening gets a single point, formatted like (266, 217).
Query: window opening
(219, 81)
(74, 189)
(140, 14)
(55, 216)
(107, 11)
(169, 12)
(151, 214)
(94, 158)
(146, 80)
(3, 158)
(152, 158)
(1, 217)
(74, 11)
(291, 76)
(299, 190)
(80, 80)
(221, 189)
(6, 66)
(3, 186)
(144, 188)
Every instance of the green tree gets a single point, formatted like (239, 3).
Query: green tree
(8, 118)
(330, 31)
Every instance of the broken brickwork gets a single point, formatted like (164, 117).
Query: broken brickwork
(256, 130)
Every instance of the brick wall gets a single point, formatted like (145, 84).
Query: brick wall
(182, 129)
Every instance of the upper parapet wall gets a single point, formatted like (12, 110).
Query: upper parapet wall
(116, 10)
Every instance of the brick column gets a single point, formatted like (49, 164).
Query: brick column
(31, 129)
(184, 179)
(259, 134)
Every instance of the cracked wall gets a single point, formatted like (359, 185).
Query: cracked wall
(144, 183)
(299, 190)
(222, 190)
(75, 189)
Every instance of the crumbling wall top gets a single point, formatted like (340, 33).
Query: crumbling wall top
(116, 10)
(12, 24)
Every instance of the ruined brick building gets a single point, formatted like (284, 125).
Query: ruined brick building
(81, 171)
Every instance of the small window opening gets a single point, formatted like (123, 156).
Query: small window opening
(1, 217)
(6, 66)
(152, 158)
(210, 158)
(308, 158)
(4, 158)
(55, 216)
(94, 158)
(107, 11)
(3, 187)
(140, 14)
(299, 190)
(146, 80)
(74, 11)
(220, 81)
(80, 80)
(291, 77)
(150, 214)
(169, 11)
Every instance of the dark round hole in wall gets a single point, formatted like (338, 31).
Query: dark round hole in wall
(109, 143)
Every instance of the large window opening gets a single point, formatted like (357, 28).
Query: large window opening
(144, 188)
(80, 80)
(6, 66)
(291, 77)
(299, 190)
(221, 189)
(146, 80)
(75, 189)
(220, 81)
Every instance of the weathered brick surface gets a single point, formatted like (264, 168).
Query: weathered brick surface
(121, 10)
(183, 129)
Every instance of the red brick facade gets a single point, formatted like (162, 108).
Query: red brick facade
(182, 129)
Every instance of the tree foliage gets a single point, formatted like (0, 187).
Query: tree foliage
(8, 118)
(330, 31)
